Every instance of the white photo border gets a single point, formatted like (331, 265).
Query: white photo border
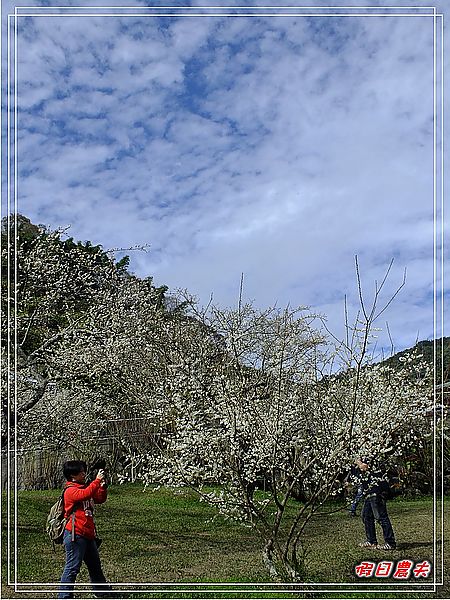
(438, 300)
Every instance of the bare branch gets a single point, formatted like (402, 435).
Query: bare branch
(358, 279)
(137, 247)
(390, 339)
(346, 320)
(241, 290)
(401, 286)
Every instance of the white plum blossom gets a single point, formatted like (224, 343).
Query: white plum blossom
(247, 407)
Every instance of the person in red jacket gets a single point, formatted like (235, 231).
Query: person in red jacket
(80, 535)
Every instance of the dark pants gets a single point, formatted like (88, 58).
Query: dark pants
(374, 509)
(78, 551)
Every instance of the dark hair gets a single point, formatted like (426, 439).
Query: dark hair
(73, 467)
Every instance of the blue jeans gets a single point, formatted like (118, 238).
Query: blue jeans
(78, 551)
(375, 509)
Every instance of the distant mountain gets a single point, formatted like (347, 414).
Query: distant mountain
(426, 348)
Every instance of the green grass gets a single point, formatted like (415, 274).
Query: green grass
(163, 537)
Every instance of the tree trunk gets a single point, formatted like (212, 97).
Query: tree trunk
(268, 559)
(279, 567)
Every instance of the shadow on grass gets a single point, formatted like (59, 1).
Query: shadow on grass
(409, 545)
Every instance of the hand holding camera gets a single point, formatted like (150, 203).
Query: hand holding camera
(101, 476)
(97, 470)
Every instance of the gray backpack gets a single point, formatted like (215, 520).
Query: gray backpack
(56, 521)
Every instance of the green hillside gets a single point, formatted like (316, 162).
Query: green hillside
(426, 348)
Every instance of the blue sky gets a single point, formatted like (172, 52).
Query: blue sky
(276, 147)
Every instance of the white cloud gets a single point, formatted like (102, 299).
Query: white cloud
(275, 147)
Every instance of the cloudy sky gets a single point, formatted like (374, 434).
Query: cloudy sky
(277, 147)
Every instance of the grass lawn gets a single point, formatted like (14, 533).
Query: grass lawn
(166, 537)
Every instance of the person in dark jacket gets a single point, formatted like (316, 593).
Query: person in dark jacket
(80, 534)
(375, 489)
(353, 480)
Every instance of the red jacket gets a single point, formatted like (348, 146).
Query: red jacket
(84, 498)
